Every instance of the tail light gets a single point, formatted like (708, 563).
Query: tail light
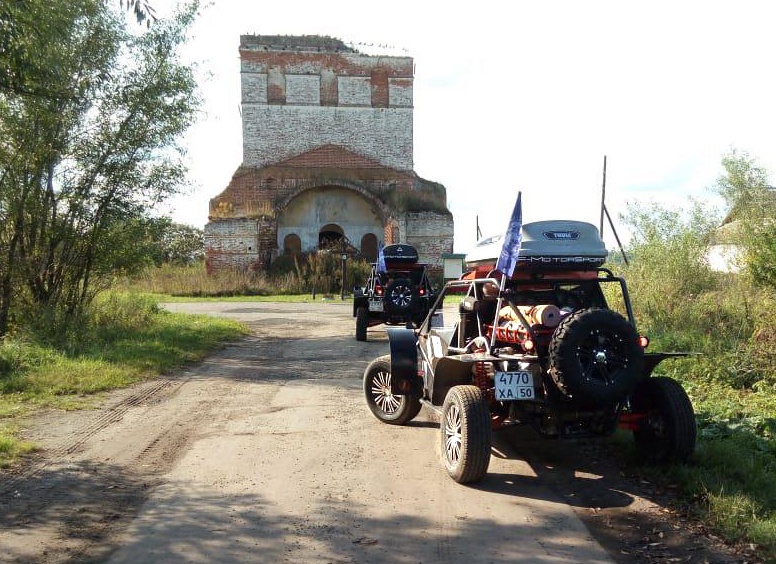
(378, 290)
(643, 341)
(422, 291)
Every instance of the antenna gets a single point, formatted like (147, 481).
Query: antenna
(479, 233)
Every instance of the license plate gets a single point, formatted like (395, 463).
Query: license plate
(514, 386)
(375, 306)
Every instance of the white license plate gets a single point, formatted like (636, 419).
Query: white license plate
(514, 386)
(375, 306)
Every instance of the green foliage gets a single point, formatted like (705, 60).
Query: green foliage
(672, 243)
(322, 273)
(143, 10)
(124, 338)
(89, 117)
(682, 305)
(180, 244)
(752, 216)
(426, 201)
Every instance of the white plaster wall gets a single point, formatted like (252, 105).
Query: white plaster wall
(723, 258)
(308, 213)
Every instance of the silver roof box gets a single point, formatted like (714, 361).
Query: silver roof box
(566, 244)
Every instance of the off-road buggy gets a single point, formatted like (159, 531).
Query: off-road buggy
(397, 292)
(543, 348)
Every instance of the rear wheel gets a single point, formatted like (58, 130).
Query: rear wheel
(668, 431)
(466, 434)
(361, 323)
(387, 407)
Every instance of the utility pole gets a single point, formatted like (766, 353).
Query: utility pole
(603, 202)
(605, 212)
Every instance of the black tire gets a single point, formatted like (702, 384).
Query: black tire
(466, 434)
(400, 298)
(595, 356)
(668, 432)
(362, 322)
(388, 408)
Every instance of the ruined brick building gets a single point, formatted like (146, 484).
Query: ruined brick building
(327, 156)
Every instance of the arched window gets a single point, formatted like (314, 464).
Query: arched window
(292, 244)
(369, 247)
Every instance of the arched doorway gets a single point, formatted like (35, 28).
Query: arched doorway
(329, 235)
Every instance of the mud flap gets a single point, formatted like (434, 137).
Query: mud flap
(404, 363)
(651, 360)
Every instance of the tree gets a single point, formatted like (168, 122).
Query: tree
(143, 10)
(673, 243)
(83, 165)
(752, 215)
(179, 244)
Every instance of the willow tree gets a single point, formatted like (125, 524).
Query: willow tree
(88, 149)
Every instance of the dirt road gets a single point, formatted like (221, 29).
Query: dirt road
(267, 452)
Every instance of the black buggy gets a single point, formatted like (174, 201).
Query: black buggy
(398, 292)
(542, 348)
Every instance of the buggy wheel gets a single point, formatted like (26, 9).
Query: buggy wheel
(466, 434)
(361, 323)
(667, 433)
(387, 407)
(595, 355)
(401, 298)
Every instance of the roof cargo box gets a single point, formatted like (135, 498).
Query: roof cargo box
(556, 244)
(399, 255)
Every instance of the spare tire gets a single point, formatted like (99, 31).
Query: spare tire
(595, 356)
(399, 296)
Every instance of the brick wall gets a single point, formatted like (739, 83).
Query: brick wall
(431, 234)
(298, 98)
(327, 140)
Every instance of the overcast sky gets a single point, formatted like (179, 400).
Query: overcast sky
(527, 96)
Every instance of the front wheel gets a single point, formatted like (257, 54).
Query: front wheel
(667, 432)
(466, 434)
(387, 407)
(362, 322)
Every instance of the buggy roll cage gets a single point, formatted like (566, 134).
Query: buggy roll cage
(472, 290)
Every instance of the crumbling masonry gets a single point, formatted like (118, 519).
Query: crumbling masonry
(327, 156)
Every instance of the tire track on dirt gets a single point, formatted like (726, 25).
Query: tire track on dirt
(156, 390)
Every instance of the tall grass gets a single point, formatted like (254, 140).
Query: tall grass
(194, 281)
(315, 273)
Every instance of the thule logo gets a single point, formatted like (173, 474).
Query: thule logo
(561, 235)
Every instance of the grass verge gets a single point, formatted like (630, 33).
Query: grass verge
(128, 340)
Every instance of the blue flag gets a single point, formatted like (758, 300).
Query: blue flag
(507, 260)
(381, 260)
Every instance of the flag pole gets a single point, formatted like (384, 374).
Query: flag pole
(508, 257)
